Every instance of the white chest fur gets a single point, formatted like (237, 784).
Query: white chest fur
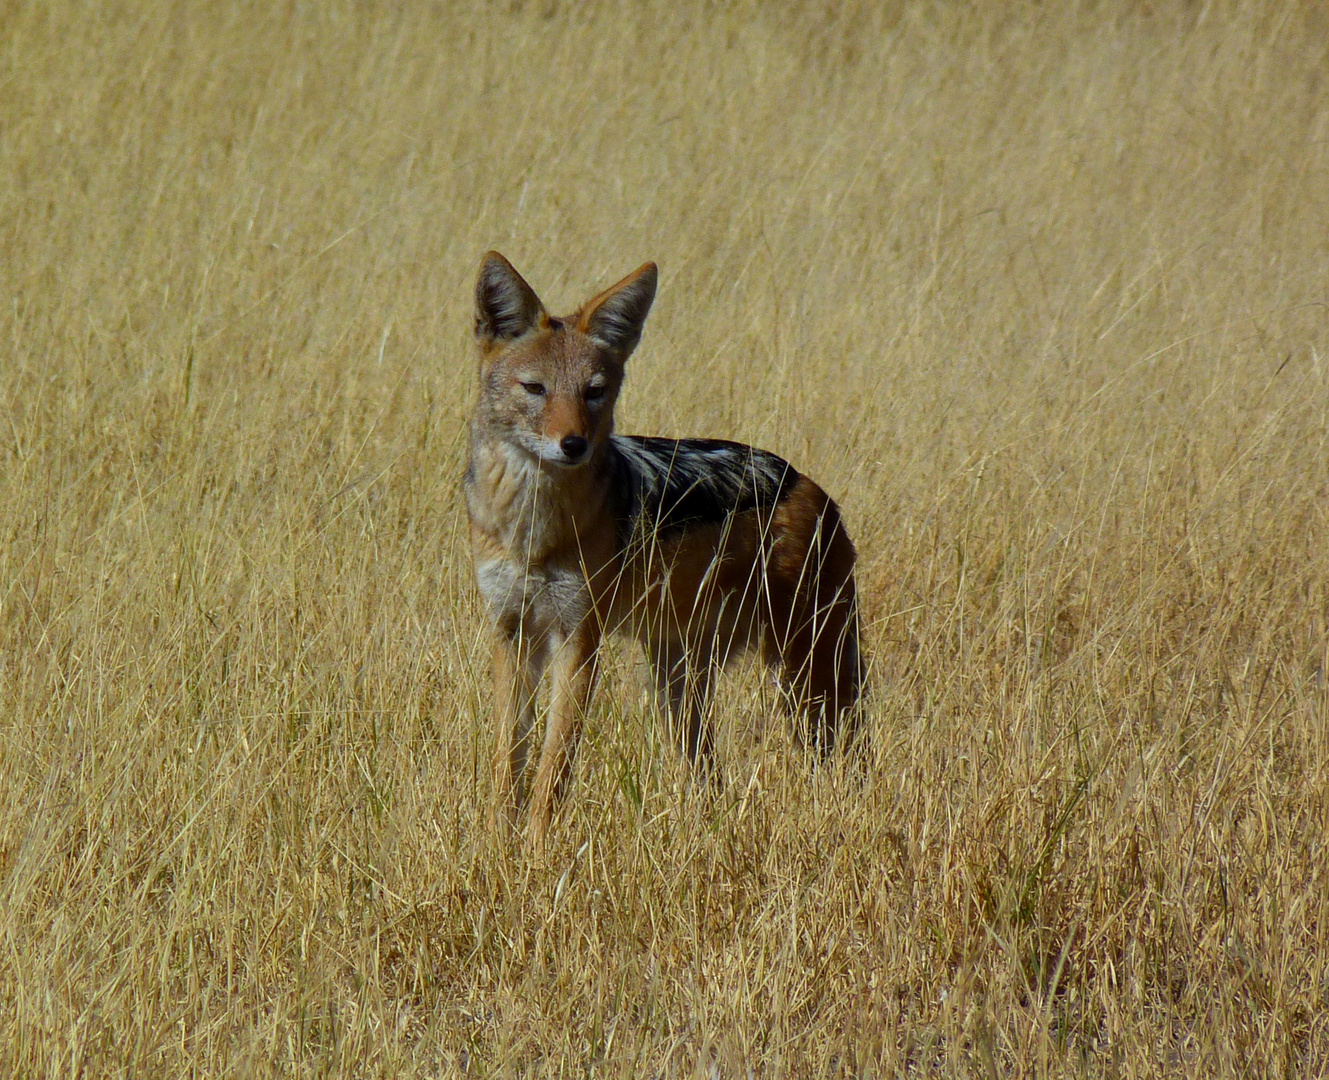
(538, 599)
(530, 576)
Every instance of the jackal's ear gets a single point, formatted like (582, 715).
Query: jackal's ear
(615, 317)
(505, 306)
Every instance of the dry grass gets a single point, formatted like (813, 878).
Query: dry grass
(1038, 294)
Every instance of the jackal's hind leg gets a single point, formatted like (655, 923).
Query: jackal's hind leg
(683, 686)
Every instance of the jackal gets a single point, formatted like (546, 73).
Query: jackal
(698, 548)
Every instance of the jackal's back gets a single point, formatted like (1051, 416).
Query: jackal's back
(665, 486)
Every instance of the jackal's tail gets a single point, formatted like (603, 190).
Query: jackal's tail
(820, 658)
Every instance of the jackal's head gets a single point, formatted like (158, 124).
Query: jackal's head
(548, 385)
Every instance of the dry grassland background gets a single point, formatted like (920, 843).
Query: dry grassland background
(1037, 292)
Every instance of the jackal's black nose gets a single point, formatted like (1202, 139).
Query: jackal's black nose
(573, 446)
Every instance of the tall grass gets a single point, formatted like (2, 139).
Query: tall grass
(1038, 293)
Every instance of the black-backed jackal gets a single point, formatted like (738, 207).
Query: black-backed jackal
(698, 548)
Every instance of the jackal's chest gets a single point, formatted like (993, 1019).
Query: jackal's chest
(535, 598)
(519, 508)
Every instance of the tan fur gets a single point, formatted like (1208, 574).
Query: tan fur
(552, 560)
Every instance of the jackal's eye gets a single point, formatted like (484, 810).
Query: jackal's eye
(535, 388)
(595, 393)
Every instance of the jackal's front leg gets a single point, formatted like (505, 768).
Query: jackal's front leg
(517, 664)
(573, 675)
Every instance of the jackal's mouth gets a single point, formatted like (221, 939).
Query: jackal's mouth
(564, 461)
(572, 452)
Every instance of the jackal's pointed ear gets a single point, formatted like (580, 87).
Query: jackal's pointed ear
(505, 306)
(615, 317)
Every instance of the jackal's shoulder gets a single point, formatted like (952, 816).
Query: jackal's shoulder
(664, 485)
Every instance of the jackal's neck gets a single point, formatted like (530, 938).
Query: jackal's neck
(530, 508)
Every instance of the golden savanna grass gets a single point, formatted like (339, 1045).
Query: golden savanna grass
(1038, 293)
